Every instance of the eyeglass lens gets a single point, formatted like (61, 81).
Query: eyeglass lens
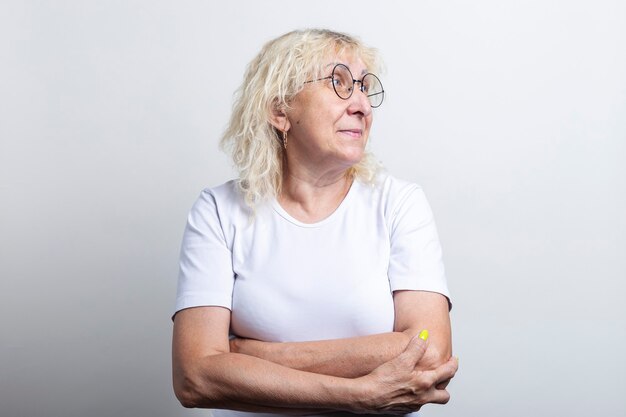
(343, 83)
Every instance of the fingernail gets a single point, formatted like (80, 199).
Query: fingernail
(457, 359)
(423, 334)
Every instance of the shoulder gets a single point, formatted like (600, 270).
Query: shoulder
(226, 195)
(221, 202)
(395, 188)
(392, 193)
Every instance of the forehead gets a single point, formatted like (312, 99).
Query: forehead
(354, 69)
(354, 63)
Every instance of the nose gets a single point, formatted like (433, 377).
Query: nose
(359, 102)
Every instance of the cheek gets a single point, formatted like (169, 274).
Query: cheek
(368, 127)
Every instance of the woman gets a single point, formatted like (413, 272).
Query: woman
(306, 285)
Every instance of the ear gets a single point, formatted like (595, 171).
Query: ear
(278, 117)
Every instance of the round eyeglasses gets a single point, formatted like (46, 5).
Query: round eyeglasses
(343, 84)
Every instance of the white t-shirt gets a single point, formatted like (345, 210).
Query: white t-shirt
(286, 281)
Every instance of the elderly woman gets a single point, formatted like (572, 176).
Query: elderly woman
(307, 284)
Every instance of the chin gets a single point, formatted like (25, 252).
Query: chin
(354, 158)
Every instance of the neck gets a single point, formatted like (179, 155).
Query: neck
(311, 198)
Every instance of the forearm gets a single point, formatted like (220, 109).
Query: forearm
(245, 383)
(207, 375)
(357, 356)
(348, 358)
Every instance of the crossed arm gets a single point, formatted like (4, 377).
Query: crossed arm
(393, 372)
(358, 356)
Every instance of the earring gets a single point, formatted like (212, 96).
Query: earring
(285, 139)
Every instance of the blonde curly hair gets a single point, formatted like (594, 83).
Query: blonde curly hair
(272, 79)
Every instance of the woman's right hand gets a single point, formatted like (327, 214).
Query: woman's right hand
(397, 387)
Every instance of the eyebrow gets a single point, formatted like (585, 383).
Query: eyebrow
(363, 72)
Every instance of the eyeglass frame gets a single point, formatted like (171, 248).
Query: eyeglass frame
(332, 77)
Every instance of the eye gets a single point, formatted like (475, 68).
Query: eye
(365, 87)
(342, 78)
(342, 81)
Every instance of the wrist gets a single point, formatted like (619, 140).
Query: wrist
(359, 393)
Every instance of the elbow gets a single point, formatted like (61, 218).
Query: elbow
(438, 352)
(192, 392)
(186, 400)
(434, 357)
(195, 384)
(185, 392)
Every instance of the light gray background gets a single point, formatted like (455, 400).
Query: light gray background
(511, 114)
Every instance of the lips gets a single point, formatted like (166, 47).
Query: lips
(356, 133)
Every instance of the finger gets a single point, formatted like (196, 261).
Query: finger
(415, 349)
(440, 396)
(446, 371)
(443, 385)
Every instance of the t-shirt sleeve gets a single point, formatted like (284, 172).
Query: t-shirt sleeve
(206, 275)
(416, 259)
